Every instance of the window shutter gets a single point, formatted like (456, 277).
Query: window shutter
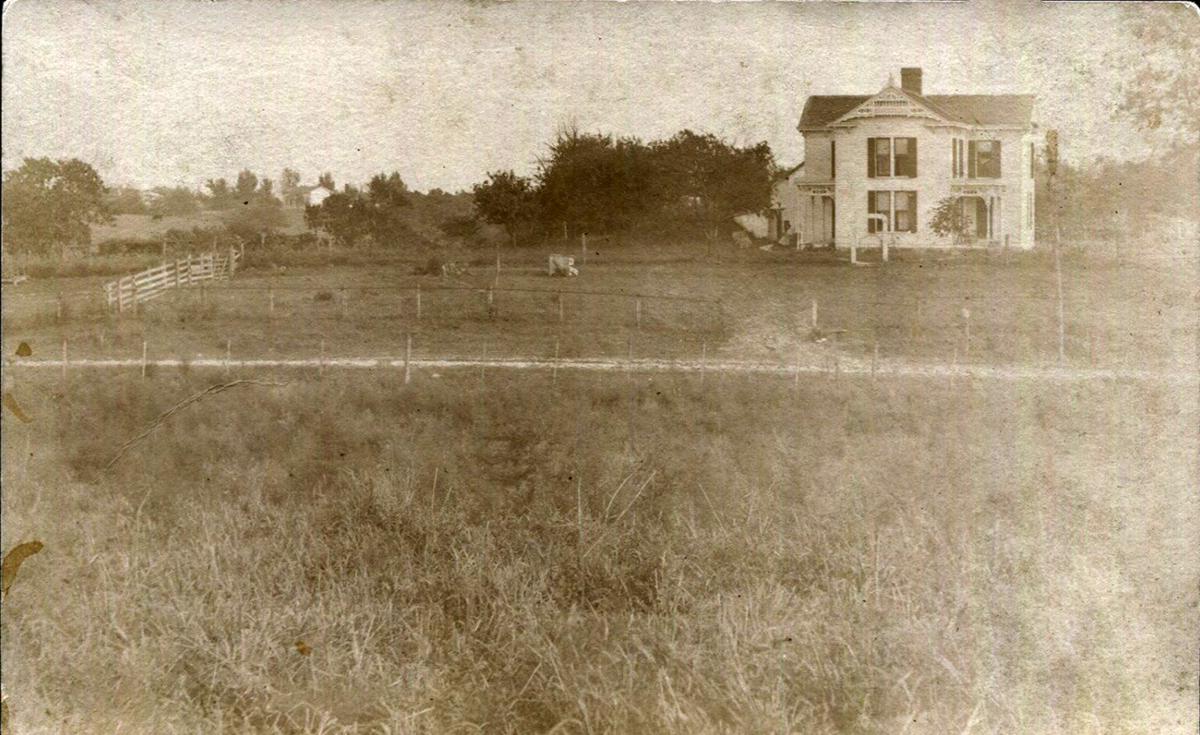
(870, 160)
(870, 201)
(912, 202)
(996, 153)
(971, 159)
(954, 157)
(912, 158)
(833, 159)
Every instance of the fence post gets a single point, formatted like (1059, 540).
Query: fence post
(418, 301)
(321, 362)
(178, 272)
(638, 313)
(271, 302)
(703, 362)
(64, 360)
(228, 354)
(189, 269)
(342, 302)
(583, 248)
(560, 306)
(966, 313)
(814, 314)
(408, 359)
(482, 360)
(555, 371)
(59, 305)
(796, 374)
(143, 359)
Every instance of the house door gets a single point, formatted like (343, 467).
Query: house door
(981, 218)
(827, 220)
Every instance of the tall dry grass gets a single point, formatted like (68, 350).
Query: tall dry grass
(356, 555)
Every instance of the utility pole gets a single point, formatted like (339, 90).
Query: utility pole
(1052, 169)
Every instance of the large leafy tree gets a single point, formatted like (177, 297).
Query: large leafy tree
(387, 198)
(595, 181)
(1162, 92)
(50, 205)
(506, 199)
(378, 212)
(705, 179)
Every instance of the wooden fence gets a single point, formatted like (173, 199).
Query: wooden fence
(129, 291)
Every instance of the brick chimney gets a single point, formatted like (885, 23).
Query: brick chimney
(910, 79)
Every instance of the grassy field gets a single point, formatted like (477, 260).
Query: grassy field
(751, 305)
(356, 555)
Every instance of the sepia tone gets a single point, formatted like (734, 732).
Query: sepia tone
(415, 367)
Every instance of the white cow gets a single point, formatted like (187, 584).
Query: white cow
(562, 265)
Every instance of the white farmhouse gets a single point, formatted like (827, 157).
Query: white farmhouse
(876, 166)
(317, 195)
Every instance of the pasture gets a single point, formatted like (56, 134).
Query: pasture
(618, 552)
(660, 303)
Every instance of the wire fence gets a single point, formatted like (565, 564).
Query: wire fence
(273, 318)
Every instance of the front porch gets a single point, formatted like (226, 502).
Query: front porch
(981, 214)
(818, 226)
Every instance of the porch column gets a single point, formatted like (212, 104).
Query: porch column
(1000, 220)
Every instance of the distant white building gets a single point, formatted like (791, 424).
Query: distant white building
(317, 195)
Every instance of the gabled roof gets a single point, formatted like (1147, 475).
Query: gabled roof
(971, 109)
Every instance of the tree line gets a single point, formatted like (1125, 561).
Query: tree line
(599, 183)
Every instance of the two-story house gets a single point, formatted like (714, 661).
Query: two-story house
(877, 166)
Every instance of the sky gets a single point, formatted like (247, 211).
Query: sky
(176, 92)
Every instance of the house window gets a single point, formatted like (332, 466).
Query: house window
(983, 159)
(905, 156)
(898, 208)
(888, 157)
(904, 211)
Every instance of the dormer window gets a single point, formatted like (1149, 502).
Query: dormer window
(888, 157)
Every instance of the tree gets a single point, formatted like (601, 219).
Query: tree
(705, 179)
(173, 201)
(125, 200)
(247, 184)
(462, 228)
(342, 214)
(289, 185)
(947, 219)
(261, 217)
(506, 199)
(595, 181)
(387, 197)
(49, 204)
(219, 194)
(326, 180)
(1163, 93)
